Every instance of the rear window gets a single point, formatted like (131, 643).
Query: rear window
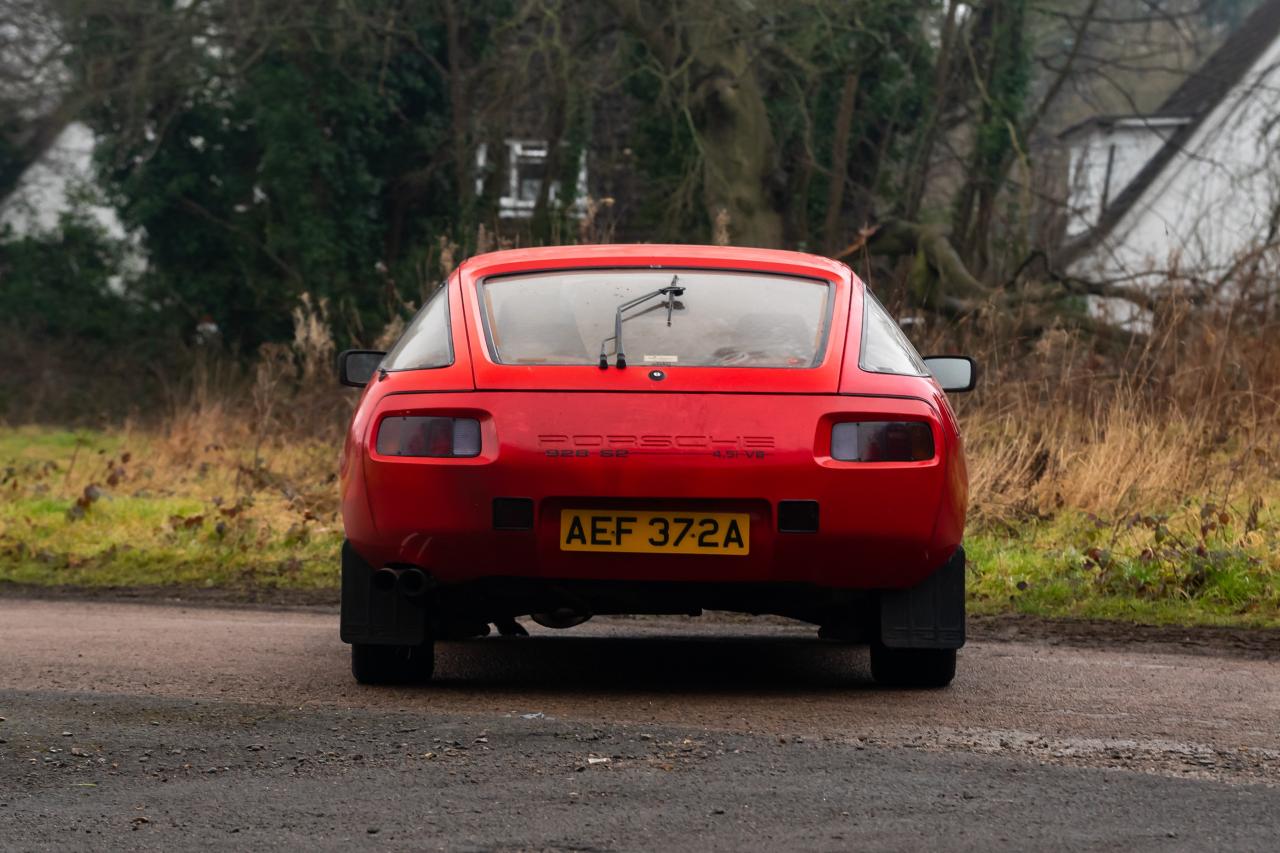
(885, 349)
(426, 343)
(722, 319)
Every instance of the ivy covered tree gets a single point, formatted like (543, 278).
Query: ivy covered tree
(307, 150)
(261, 151)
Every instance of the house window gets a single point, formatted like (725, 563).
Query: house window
(524, 170)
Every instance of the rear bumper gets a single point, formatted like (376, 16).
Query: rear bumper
(928, 615)
(880, 526)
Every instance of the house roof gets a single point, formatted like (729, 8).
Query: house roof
(1194, 100)
(1122, 120)
(1202, 91)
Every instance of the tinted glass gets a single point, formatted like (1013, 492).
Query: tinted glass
(426, 343)
(885, 349)
(723, 319)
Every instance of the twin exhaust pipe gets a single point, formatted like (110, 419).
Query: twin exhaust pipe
(411, 583)
(414, 583)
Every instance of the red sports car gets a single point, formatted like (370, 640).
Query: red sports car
(580, 430)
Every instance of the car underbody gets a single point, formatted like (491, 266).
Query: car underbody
(406, 608)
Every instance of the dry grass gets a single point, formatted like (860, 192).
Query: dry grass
(1191, 412)
(127, 508)
(1127, 479)
(231, 486)
(1133, 479)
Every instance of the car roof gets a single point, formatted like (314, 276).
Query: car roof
(662, 254)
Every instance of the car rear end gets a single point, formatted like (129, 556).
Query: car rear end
(736, 460)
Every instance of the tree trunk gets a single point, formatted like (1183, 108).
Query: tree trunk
(950, 279)
(541, 225)
(726, 110)
(839, 163)
(732, 123)
(922, 156)
(459, 109)
(1000, 71)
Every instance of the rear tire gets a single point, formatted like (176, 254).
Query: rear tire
(912, 667)
(372, 664)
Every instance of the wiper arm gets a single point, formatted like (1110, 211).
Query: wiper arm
(671, 291)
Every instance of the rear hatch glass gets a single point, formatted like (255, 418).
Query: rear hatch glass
(691, 318)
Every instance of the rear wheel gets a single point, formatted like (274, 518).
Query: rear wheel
(912, 667)
(372, 664)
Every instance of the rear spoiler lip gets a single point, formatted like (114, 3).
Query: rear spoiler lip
(709, 392)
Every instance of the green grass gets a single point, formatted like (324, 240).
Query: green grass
(32, 444)
(128, 541)
(142, 510)
(79, 509)
(1200, 564)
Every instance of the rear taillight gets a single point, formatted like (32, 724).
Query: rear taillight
(423, 436)
(882, 441)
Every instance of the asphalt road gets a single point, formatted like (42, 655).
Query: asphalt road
(151, 726)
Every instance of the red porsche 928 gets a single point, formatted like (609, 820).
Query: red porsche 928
(581, 430)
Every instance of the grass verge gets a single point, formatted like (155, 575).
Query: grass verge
(99, 509)
(121, 509)
(1201, 564)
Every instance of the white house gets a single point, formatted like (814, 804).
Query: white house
(48, 188)
(1193, 189)
(523, 172)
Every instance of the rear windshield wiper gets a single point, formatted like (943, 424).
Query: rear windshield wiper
(671, 291)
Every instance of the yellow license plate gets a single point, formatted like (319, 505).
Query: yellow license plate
(637, 532)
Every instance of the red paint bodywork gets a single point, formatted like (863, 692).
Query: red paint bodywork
(883, 525)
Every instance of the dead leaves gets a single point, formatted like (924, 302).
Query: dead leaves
(92, 494)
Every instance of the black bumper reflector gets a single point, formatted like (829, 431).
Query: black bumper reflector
(798, 516)
(512, 513)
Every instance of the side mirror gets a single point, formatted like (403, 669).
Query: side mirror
(953, 372)
(357, 366)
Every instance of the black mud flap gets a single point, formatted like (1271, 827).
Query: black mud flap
(375, 616)
(927, 616)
